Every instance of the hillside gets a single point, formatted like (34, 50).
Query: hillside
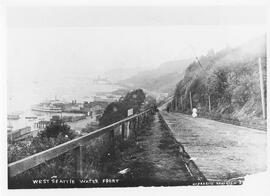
(122, 72)
(229, 80)
(162, 79)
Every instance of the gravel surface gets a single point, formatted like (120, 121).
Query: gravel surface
(152, 159)
(221, 151)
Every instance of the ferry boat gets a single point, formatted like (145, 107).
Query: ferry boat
(47, 108)
(52, 106)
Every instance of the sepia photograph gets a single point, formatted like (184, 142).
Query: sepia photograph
(135, 96)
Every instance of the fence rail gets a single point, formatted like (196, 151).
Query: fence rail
(76, 145)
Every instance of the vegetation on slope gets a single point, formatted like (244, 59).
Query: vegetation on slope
(230, 78)
(57, 132)
(116, 111)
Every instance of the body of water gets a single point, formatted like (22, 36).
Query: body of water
(23, 94)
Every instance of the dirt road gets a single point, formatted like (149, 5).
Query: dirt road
(152, 159)
(221, 151)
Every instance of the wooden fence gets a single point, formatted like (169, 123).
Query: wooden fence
(78, 145)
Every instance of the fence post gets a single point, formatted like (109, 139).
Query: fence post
(138, 122)
(79, 153)
(143, 119)
(112, 141)
(134, 125)
(123, 130)
(128, 130)
(176, 104)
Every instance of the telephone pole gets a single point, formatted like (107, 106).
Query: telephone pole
(182, 108)
(176, 104)
(262, 88)
(209, 102)
(190, 99)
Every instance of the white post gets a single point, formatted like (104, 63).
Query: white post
(209, 102)
(262, 88)
(190, 99)
(175, 104)
(182, 104)
(127, 129)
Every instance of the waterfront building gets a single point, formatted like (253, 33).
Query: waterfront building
(19, 133)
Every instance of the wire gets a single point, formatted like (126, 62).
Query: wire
(196, 57)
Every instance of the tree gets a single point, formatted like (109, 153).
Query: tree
(114, 112)
(150, 102)
(229, 82)
(55, 128)
(134, 99)
(56, 133)
(217, 85)
(118, 110)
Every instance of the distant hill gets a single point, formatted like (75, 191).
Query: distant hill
(162, 79)
(122, 73)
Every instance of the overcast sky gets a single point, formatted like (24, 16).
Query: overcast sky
(92, 40)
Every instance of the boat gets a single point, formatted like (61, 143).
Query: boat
(9, 128)
(47, 108)
(13, 117)
(52, 106)
(31, 117)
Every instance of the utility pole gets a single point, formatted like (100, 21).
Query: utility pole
(176, 104)
(182, 103)
(190, 99)
(262, 88)
(209, 102)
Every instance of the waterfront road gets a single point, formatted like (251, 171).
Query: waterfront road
(221, 151)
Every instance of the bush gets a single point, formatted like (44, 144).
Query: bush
(118, 110)
(56, 133)
(55, 128)
(230, 77)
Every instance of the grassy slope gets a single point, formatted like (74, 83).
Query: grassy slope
(242, 83)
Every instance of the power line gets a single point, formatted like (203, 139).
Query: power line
(196, 57)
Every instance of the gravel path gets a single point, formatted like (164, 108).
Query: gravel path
(153, 159)
(221, 151)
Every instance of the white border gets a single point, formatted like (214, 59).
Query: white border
(256, 186)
